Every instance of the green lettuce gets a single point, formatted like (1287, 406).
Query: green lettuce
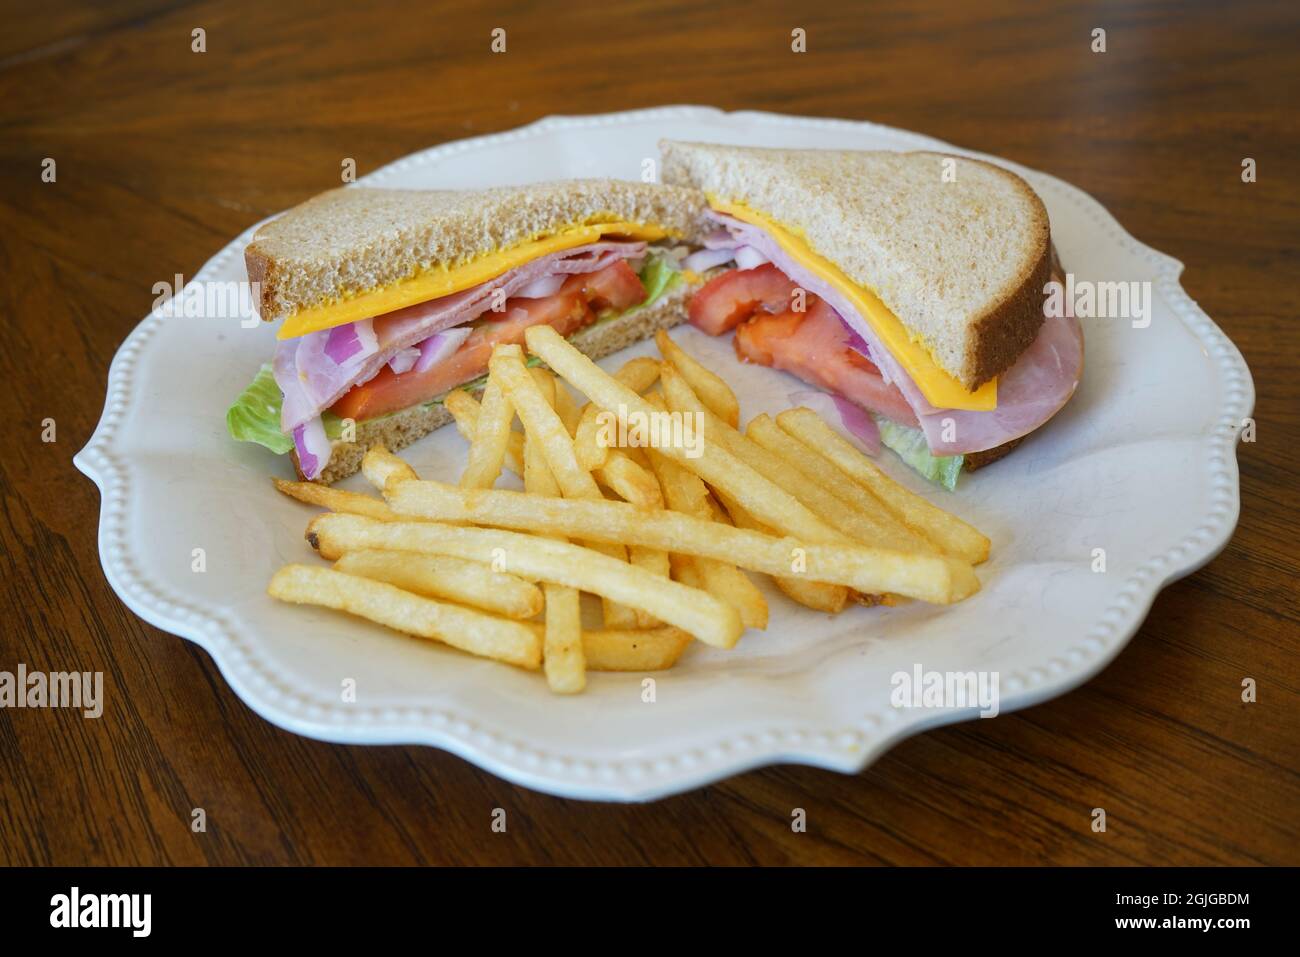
(255, 415)
(659, 274)
(909, 445)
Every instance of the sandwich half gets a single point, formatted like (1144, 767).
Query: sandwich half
(389, 299)
(909, 287)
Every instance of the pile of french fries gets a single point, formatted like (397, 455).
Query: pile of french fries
(665, 535)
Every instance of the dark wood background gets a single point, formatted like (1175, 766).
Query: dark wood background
(164, 154)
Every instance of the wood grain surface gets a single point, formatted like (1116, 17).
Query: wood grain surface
(165, 154)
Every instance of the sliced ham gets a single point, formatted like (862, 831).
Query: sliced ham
(312, 381)
(1029, 393)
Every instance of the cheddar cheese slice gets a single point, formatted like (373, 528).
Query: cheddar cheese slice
(444, 281)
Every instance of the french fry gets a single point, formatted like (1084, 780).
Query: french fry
(839, 499)
(542, 425)
(623, 650)
(487, 452)
(464, 409)
(565, 406)
(638, 374)
(466, 415)
(337, 499)
(948, 532)
(635, 483)
(562, 651)
(768, 502)
(685, 493)
(590, 452)
(798, 503)
(564, 659)
(655, 562)
(637, 455)
(379, 466)
(933, 578)
(443, 576)
(542, 378)
(710, 387)
(538, 479)
(474, 631)
(870, 528)
(532, 557)
(819, 596)
(684, 570)
(630, 481)
(735, 588)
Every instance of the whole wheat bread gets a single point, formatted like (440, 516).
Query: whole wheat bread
(962, 263)
(356, 239)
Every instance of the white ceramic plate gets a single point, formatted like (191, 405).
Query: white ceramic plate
(1141, 463)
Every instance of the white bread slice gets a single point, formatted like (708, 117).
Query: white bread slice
(400, 429)
(962, 264)
(353, 240)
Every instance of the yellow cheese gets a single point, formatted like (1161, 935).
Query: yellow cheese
(443, 281)
(941, 390)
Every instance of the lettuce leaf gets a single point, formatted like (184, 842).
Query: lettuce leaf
(659, 273)
(909, 445)
(255, 415)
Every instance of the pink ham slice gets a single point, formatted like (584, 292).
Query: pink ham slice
(312, 382)
(1029, 393)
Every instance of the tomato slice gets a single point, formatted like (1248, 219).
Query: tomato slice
(391, 392)
(761, 338)
(614, 287)
(727, 300)
(813, 345)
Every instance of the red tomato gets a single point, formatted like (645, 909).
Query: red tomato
(614, 287)
(390, 392)
(762, 337)
(737, 294)
(813, 345)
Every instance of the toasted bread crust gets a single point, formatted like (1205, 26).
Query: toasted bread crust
(1000, 336)
(977, 460)
(402, 428)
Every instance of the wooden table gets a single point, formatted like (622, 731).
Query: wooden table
(163, 154)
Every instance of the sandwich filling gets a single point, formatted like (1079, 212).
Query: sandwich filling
(378, 365)
(822, 336)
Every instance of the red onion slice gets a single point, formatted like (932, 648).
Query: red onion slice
(541, 288)
(313, 445)
(353, 340)
(856, 342)
(404, 360)
(720, 239)
(706, 259)
(438, 347)
(747, 257)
